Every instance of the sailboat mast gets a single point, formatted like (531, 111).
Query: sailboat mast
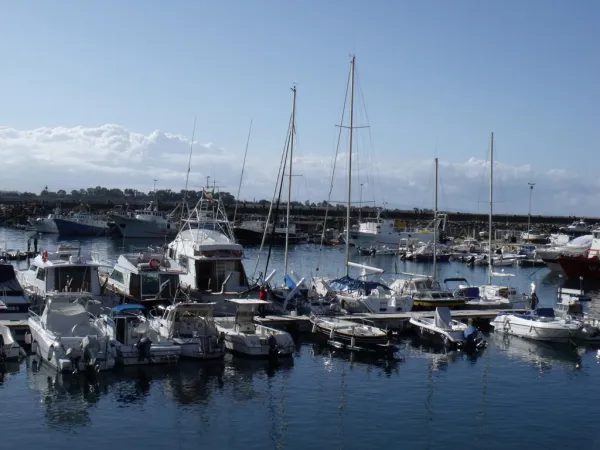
(289, 199)
(350, 164)
(435, 224)
(491, 208)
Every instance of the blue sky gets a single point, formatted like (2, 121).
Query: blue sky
(437, 77)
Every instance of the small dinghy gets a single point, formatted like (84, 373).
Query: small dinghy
(540, 324)
(134, 340)
(450, 332)
(354, 336)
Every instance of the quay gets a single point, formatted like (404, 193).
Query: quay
(395, 322)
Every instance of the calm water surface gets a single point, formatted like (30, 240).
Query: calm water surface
(516, 394)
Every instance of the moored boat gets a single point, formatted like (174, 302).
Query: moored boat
(540, 324)
(450, 332)
(350, 335)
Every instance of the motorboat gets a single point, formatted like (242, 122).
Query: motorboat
(354, 336)
(66, 337)
(245, 337)
(64, 270)
(14, 302)
(135, 342)
(46, 225)
(540, 324)
(425, 253)
(142, 278)
(571, 305)
(191, 326)
(252, 230)
(82, 224)
(577, 228)
(9, 349)
(145, 223)
(426, 292)
(206, 253)
(450, 332)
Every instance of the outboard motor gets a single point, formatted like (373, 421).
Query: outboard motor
(273, 347)
(143, 348)
(90, 347)
(472, 338)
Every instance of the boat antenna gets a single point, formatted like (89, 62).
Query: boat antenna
(187, 177)
(237, 197)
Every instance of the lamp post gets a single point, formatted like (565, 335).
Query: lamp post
(531, 185)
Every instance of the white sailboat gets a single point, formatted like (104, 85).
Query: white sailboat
(243, 336)
(359, 295)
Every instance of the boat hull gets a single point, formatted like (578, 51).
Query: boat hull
(200, 348)
(430, 304)
(579, 266)
(366, 239)
(528, 329)
(130, 227)
(44, 226)
(159, 354)
(66, 227)
(371, 343)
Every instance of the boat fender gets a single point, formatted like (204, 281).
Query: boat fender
(143, 348)
(353, 342)
(45, 255)
(314, 328)
(332, 333)
(154, 263)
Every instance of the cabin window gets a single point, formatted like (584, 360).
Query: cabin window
(150, 284)
(117, 276)
(72, 279)
(183, 262)
(32, 267)
(41, 274)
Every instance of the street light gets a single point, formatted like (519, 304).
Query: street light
(531, 185)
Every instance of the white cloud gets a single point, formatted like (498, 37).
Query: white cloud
(113, 156)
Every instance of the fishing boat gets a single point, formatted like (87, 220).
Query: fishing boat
(135, 342)
(82, 224)
(350, 335)
(66, 337)
(450, 332)
(245, 337)
(145, 223)
(426, 292)
(540, 324)
(191, 326)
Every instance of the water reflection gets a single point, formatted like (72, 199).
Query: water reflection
(367, 361)
(542, 355)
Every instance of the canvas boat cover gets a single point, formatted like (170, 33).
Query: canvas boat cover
(352, 284)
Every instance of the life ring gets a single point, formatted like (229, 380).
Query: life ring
(154, 263)
(45, 255)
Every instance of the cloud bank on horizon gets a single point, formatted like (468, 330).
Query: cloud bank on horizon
(113, 156)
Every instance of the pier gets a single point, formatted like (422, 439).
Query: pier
(396, 322)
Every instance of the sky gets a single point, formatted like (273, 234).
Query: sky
(105, 93)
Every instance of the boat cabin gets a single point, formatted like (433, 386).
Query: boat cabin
(63, 272)
(243, 320)
(186, 320)
(142, 277)
(127, 320)
(209, 260)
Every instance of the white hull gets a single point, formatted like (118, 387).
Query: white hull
(395, 238)
(53, 350)
(200, 348)
(46, 226)
(258, 343)
(376, 304)
(237, 344)
(131, 227)
(556, 331)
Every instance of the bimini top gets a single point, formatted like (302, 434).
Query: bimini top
(128, 307)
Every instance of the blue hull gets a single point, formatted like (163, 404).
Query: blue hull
(70, 228)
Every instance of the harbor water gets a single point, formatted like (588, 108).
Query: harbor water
(515, 394)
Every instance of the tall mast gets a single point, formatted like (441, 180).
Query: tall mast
(491, 208)
(350, 163)
(435, 224)
(289, 199)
